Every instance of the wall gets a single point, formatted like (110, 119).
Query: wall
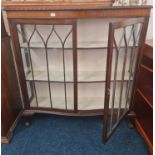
(150, 27)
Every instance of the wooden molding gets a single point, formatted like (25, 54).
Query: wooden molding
(79, 14)
(94, 5)
(55, 5)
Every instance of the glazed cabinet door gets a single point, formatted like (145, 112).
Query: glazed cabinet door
(125, 45)
(45, 52)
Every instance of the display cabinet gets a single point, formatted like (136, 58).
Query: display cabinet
(68, 66)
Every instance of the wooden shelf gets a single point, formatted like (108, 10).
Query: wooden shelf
(68, 45)
(147, 68)
(144, 134)
(83, 76)
(80, 45)
(146, 96)
(145, 86)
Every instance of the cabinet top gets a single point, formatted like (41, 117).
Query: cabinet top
(66, 5)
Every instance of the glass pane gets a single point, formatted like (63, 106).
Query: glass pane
(91, 96)
(56, 65)
(47, 54)
(59, 100)
(42, 92)
(92, 65)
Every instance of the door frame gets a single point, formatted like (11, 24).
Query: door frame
(112, 27)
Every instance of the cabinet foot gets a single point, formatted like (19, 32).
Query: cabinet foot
(131, 117)
(27, 118)
(27, 124)
(130, 124)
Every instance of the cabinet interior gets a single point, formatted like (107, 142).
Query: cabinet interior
(47, 54)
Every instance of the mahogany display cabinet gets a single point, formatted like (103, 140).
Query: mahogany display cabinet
(68, 66)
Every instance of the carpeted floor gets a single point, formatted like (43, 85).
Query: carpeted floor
(58, 135)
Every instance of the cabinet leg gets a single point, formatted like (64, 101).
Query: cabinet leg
(130, 124)
(27, 118)
(131, 119)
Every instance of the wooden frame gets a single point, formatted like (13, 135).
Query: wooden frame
(75, 14)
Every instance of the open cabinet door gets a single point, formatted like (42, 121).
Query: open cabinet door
(125, 44)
